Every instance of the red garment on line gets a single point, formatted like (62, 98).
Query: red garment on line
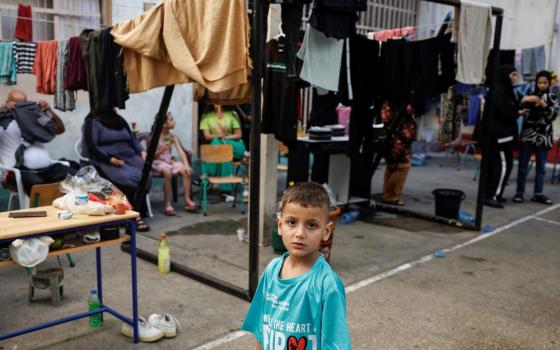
(44, 67)
(24, 26)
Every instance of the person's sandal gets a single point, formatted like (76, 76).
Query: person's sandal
(541, 198)
(141, 226)
(169, 212)
(193, 209)
(518, 198)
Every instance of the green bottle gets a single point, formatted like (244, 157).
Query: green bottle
(95, 321)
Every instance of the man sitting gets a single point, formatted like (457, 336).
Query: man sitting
(18, 146)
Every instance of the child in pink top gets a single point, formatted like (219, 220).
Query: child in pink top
(166, 164)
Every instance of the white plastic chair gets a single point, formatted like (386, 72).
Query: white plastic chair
(22, 197)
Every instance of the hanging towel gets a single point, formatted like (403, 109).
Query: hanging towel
(75, 74)
(473, 38)
(7, 64)
(322, 58)
(532, 61)
(44, 67)
(24, 54)
(24, 24)
(64, 100)
(181, 41)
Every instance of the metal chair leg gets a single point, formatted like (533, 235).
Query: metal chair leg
(204, 201)
(70, 261)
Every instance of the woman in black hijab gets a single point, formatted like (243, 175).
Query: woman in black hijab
(502, 136)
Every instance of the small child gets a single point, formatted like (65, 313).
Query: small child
(300, 301)
(167, 165)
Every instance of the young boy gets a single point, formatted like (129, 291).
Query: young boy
(300, 302)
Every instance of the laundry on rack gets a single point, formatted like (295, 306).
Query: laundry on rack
(64, 100)
(336, 19)
(453, 112)
(44, 67)
(388, 34)
(186, 41)
(532, 61)
(359, 70)
(75, 73)
(280, 95)
(24, 23)
(107, 85)
(24, 54)
(322, 57)
(7, 64)
(473, 32)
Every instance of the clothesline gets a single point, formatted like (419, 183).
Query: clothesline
(93, 26)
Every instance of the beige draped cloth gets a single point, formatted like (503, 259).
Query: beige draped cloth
(181, 41)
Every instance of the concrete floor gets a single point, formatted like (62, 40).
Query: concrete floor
(498, 293)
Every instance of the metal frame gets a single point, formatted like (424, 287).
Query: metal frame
(246, 294)
(103, 308)
(487, 114)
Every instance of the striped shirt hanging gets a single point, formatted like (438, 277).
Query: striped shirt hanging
(24, 54)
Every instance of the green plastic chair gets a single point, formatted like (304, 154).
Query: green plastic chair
(222, 155)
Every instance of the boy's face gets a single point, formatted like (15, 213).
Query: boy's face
(543, 83)
(302, 229)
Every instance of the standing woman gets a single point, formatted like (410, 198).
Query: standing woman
(536, 136)
(502, 136)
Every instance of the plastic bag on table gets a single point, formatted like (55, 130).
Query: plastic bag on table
(103, 197)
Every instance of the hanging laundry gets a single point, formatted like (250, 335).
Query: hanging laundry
(447, 68)
(532, 61)
(75, 72)
(322, 58)
(64, 100)
(359, 71)
(384, 35)
(24, 23)
(391, 85)
(473, 31)
(181, 41)
(24, 54)
(280, 95)
(104, 66)
(335, 18)
(44, 67)
(453, 111)
(7, 64)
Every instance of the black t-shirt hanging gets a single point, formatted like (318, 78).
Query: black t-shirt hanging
(280, 95)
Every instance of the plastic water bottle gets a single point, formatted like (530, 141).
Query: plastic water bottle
(164, 258)
(80, 189)
(350, 217)
(95, 321)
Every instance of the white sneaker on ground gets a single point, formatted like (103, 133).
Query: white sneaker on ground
(166, 323)
(146, 332)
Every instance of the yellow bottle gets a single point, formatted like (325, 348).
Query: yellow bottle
(164, 259)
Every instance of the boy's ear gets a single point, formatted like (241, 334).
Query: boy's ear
(328, 230)
(279, 224)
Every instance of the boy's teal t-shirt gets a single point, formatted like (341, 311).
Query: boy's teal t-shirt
(307, 312)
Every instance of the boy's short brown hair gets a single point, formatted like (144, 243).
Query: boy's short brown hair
(306, 194)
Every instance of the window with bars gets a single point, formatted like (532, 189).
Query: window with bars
(52, 19)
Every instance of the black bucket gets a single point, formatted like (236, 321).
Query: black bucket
(448, 202)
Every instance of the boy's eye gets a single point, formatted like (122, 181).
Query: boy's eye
(291, 222)
(312, 225)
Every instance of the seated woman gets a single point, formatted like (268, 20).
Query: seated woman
(223, 127)
(116, 154)
(167, 165)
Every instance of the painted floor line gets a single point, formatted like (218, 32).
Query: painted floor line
(221, 341)
(358, 285)
(548, 221)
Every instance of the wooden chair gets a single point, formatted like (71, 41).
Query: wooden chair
(43, 195)
(218, 154)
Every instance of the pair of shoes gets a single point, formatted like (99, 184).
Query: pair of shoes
(146, 332)
(518, 198)
(493, 203)
(169, 212)
(541, 198)
(156, 327)
(166, 323)
(501, 200)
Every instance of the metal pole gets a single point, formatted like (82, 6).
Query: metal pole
(255, 164)
(487, 115)
(157, 126)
